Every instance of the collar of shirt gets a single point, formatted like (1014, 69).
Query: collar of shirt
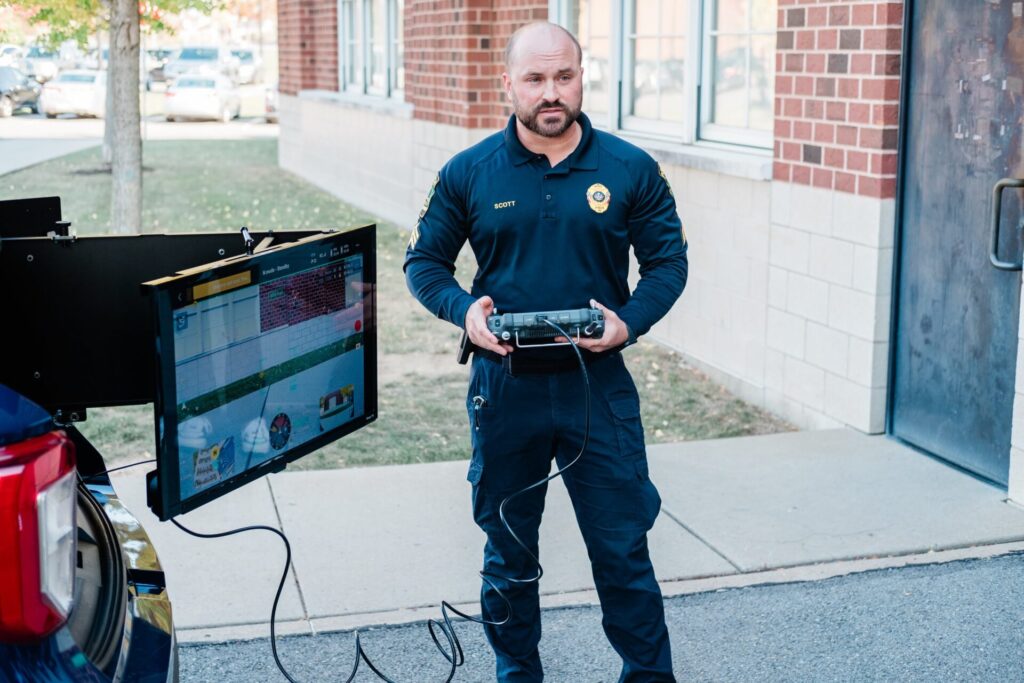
(584, 157)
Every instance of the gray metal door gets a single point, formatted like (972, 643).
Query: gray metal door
(956, 331)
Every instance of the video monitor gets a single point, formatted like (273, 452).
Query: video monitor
(261, 360)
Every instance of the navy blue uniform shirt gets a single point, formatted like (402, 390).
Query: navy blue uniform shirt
(549, 238)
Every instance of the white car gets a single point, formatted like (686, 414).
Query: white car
(10, 55)
(201, 96)
(82, 92)
(210, 61)
(40, 63)
(249, 66)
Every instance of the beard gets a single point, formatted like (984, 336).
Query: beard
(549, 125)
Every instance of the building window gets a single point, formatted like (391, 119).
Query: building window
(680, 70)
(370, 47)
(739, 60)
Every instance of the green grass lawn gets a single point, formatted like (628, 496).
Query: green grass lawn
(202, 185)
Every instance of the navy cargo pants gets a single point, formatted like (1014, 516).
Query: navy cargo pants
(522, 422)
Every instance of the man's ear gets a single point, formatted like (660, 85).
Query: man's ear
(506, 82)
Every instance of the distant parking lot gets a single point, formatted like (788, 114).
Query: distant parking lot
(250, 124)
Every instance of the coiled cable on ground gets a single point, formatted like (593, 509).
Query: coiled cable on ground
(442, 631)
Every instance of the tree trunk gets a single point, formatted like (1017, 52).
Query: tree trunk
(108, 107)
(126, 145)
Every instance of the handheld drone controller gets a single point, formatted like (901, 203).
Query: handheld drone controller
(532, 328)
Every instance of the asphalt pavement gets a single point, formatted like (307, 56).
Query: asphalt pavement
(960, 621)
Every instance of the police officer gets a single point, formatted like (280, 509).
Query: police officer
(550, 207)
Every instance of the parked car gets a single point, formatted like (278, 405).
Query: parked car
(40, 63)
(10, 55)
(82, 92)
(156, 61)
(270, 104)
(209, 61)
(202, 97)
(249, 66)
(83, 596)
(16, 91)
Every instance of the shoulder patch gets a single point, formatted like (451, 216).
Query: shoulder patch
(664, 177)
(415, 237)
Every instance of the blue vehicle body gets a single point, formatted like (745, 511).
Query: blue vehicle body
(120, 628)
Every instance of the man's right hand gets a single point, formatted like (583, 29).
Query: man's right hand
(476, 327)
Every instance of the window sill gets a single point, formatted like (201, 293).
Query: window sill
(381, 105)
(752, 164)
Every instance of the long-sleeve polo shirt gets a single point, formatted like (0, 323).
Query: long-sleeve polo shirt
(549, 238)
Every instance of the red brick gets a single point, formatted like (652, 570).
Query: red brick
(802, 130)
(781, 171)
(783, 128)
(881, 39)
(860, 112)
(794, 63)
(863, 15)
(793, 107)
(835, 157)
(846, 182)
(839, 15)
(883, 164)
(848, 87)
(801, 174)
(881, 188)
(856, 161)
(814, 109)
(828, 39)
(783, 85)
(887, 65)
(824, 132)
(885, 115)
(815, 63)
(889, 14)
(805, 40)
(822, 177)
(846, 135)
(835, 111)
(817, 16)
(861, 64)
(803, 85)
(791, 151)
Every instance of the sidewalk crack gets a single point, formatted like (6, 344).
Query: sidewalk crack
(291, 569)
(671, 515)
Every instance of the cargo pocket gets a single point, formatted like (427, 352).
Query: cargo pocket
(628, 427)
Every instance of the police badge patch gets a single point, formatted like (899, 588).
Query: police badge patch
(598, 197)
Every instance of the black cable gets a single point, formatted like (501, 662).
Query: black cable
(454, 654)
(280, 585)
(115, 469)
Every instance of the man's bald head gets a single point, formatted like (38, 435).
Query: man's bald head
(541, 31)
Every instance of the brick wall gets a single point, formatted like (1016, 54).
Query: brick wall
(307, 38)
(837, 89)
(454, 54)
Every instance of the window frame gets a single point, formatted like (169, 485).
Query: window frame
(696, 127)
(359, 36)
(715, 132)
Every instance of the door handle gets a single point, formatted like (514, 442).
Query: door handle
(997, 205)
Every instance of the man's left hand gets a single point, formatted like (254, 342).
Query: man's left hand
(615, 332)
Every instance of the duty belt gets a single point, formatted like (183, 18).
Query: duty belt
(532, 365)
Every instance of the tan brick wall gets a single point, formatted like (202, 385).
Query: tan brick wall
(454, 53)
(837, 90)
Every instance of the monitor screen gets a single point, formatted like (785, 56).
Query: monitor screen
(262, 359)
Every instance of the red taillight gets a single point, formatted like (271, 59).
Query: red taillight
(37, 536)
(169, 93)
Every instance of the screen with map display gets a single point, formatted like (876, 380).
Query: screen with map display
(262, 359)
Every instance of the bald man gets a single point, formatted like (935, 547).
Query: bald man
(551, 207)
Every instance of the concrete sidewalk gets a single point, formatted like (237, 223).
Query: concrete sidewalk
(386, 545)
